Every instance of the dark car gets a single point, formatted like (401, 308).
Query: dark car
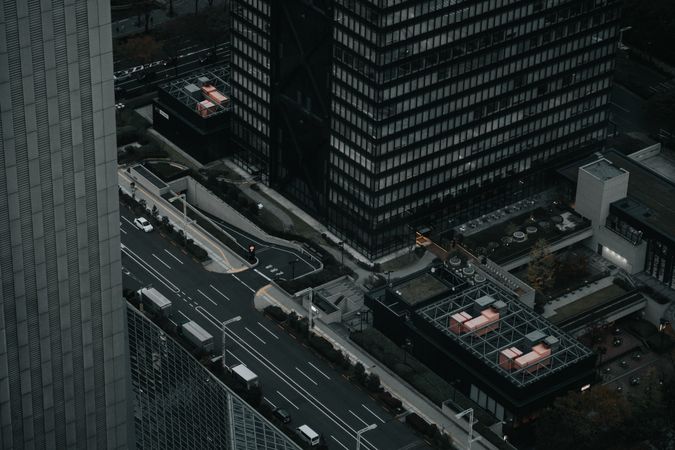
(282, 415)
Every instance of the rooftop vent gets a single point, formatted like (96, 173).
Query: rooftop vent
(533, 338)
(552, 342)
(481, 303)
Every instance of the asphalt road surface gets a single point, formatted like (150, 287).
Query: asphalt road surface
(292, 376)
(275, 261)
(188, 60)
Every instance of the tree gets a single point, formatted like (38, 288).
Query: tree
(589, 420)
(141, 49)
(541, 269)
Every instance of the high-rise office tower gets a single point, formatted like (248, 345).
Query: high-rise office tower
(181, 405)
(281, 61)
(446, 109)
(63, 348)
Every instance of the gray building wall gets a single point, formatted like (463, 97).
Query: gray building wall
(179, 404)
(63, 346)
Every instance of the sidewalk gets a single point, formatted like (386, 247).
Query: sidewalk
(223, 259)
(413, 401)
(362, 274)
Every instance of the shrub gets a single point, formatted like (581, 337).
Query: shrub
(326, 349)
(418, 424)
(126, 135)
(276, 313)
(372, 382)
(390, 401)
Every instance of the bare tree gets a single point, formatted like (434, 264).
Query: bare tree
(541, 270)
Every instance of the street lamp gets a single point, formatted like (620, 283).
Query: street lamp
(183, 197)
(361, 431)
(341, 244)
(311, 312)
(292, 264)
(621, 45)
(470, 439)
(407, 346)
(225, 324)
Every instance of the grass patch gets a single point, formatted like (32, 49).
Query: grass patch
(588, 303)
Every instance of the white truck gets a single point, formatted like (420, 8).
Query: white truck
(245, 375)
(155, 301)
(198, 336)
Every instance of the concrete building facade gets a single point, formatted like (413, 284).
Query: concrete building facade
(63, 348)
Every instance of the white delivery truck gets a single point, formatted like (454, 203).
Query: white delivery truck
(245, 375)
(198, 336)
(308, 435)
(155, 301)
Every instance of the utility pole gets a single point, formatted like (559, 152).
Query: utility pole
(225, 324)
(360, 432)
(470, 439)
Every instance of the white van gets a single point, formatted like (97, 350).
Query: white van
(308, 435)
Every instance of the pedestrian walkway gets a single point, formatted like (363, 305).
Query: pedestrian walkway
(361, 273)
(411, 399)
(225, 260)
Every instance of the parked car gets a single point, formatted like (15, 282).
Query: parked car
(283, 415)
(143, 224)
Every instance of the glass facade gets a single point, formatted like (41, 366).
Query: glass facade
(251, 89)
(438, 101)
(282, 95)
(437, 109)
(179, 404)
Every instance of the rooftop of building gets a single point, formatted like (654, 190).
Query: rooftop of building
(651, 197)
(451, 292)
(603, 169)
(189, 90)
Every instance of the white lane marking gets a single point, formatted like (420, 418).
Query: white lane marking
(224, 296)
(343, 445)
(207, 297)
(268, 266)
(239, 280)
(266, 329)
(280, 273)
(172, 255)
(235, 357)
(183, 314)
(157, 258)
(129, 222)
(317, 369)
(270, 402)
(274, 270)
(154, 272)
(285, 378)
(285, 398)
(354, 414)
(376, 416)
(262, 274)
(307, 376)
(254, 335)
(122, 229)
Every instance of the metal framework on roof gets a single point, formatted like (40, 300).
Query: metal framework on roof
(218, 77)
(516, 322)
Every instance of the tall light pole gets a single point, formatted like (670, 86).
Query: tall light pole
(388, 274)
(341, 244)
(292, 264)
(183, 197)
(360, 432)
(225, 324)
(621, 45)
(470, 439)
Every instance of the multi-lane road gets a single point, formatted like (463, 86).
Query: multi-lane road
(127, 84)
(292, 376)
